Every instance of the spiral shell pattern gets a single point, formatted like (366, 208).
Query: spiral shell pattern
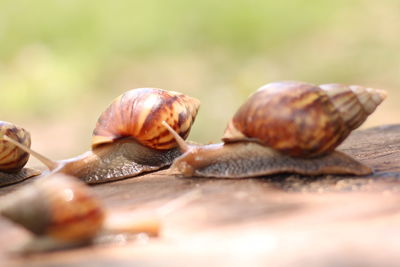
(301, 119)
(138, 114)
(59, 206)
(354, 103)
(13, 158)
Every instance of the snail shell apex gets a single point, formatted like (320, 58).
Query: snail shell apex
(129, 138)
(138, 114)
(13, 158)
(301, 119)
(58, 206)
(354, 103)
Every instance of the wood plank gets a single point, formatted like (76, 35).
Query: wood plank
(280, 220)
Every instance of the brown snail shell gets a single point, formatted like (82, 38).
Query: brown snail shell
(129, 138)
(301, 119)
(61, 212)
(59, 208)
(12, 158)
(290, 127)
(146, 108)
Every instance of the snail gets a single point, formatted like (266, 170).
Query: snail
(129, 138)
(62, 212)
(285, 127)
(12, 158)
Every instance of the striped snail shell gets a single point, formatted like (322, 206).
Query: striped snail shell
(138, 114)
(12, 158)
(61, 212)
(286, 127)
(129, 138)
(301, 119)
(59, 208)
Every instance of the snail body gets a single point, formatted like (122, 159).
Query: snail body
(250, 159)
(286, 127)
(129, 138)
(61, 211)
(12, 158)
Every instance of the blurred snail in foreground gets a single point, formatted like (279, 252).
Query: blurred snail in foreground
(286, 127)
(12, 158)
(63, 212)
(129, 138)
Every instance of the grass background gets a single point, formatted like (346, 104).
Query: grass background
(63, 61)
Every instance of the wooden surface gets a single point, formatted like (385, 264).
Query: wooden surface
(283, 220)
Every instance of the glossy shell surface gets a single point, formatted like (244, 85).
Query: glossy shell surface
(301, 119)
(57, 206)
(138, 114)
(13, 158)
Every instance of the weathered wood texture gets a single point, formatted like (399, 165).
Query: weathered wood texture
(282, 220)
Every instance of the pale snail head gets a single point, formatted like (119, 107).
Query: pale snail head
(286, 127)
(12, 158)
(129, 138)
(61, 212)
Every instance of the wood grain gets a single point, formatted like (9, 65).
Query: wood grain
(281, 220)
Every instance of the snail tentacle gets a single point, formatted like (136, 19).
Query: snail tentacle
(287, 127)
(183, 146)
(51, 164)
(129, 138)
(238, 160)
(12, 158)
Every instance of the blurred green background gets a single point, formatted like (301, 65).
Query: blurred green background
(63, 61)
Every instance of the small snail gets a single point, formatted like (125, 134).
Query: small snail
(12, 158)
(286, 127)
(62, 212)
(129, 138)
